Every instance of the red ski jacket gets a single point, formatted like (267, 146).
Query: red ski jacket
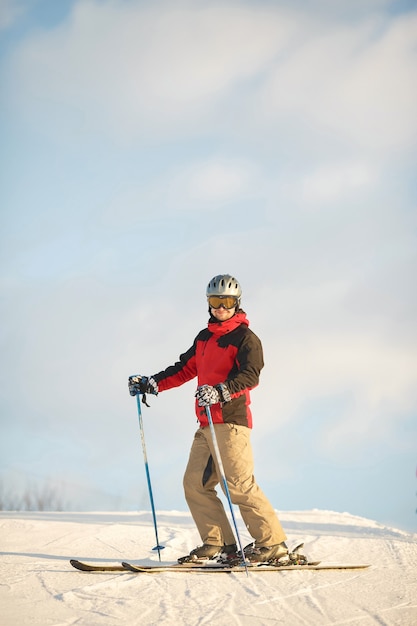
(225, 352)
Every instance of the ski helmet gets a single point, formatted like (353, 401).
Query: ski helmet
(224, 285)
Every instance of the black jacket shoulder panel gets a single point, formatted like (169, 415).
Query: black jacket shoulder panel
(235, 337)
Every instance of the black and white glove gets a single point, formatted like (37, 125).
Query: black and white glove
(142, 384)
(207, 395)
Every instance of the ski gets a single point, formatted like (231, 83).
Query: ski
(117, 567)
(89, 567)
(210, 569)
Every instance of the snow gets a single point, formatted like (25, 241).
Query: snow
(39, 587)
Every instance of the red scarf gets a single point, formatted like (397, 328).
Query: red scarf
(221, 328)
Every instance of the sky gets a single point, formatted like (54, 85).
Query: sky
(149, 146)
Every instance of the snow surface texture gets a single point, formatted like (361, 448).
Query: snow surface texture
(39, 587)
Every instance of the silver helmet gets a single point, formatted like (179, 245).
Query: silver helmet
(224, 285)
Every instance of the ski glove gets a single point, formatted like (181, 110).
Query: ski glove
(207, 395)
(142, 384)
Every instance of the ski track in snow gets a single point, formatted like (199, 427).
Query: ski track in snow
(40, 588)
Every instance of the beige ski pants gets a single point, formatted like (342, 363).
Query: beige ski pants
(199, 487)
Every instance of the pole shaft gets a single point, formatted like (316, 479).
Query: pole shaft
(224, 482)
(148, 477)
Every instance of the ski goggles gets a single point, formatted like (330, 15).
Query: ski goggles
(227, 302)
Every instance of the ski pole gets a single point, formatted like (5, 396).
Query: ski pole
(224, 481)
(148, 477)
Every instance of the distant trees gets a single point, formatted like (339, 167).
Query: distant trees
(32, 498)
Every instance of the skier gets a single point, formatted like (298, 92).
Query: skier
(227, 359)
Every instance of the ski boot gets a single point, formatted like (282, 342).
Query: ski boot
(206, 552)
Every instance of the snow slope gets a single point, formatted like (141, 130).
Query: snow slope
(40, 588)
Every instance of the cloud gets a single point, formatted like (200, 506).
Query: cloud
(332, 183)
(10, 12)
(356, 80)
(341, 380)
(213, 182)
(133, 70)
(137, 71)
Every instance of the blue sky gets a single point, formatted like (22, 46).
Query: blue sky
(147, 146)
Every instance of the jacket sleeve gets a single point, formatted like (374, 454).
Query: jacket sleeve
(249, 363)
(179, 373)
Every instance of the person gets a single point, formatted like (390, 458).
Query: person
(227, 358)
